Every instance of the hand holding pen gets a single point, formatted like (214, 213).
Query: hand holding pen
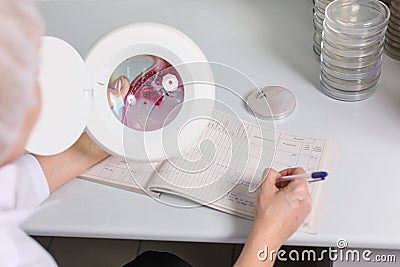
(311, 177)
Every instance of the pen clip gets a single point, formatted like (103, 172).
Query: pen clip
(313, 180)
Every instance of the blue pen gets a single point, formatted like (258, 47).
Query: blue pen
(311, 177)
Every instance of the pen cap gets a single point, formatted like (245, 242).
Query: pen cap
(321, 175)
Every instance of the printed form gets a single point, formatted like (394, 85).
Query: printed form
(219, 169)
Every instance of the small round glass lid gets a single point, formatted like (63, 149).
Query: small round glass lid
(145, 93)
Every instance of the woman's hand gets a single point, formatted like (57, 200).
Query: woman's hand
(279, 212)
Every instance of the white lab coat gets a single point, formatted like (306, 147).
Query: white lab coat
(22, 188)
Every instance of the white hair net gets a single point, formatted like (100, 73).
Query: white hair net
(20, 34)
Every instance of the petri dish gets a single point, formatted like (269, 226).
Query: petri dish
(392, 50)
(393, 31)
(352, 70)
(317, 51)
(352, 76)
(145, 93)
(395, 7)
(395, 57)
(352, 52)
(393, 41)
(348, 96)
(358, 17)
(352, 41)
(356, 62)
(392, 36)
(317, 25)
(346, 87)
(395, 17)
(317, 38)
(272, 102)
(322, 4)
(319, 17)
(319, 14)
(351, 82)
(394, 25)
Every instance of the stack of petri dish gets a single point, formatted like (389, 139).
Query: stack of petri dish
(392, 44)
(352, 45)
(318, 19)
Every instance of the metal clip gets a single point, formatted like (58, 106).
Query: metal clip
(88, 93)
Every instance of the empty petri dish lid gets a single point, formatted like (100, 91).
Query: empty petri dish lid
(272, 102)
(357, 17)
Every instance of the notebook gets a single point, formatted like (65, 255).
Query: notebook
(218, 169)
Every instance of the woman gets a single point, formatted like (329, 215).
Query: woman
(27, 180)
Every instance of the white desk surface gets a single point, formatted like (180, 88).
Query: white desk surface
(271, 41)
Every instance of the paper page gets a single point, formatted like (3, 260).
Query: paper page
(224, 184)
(291, 151)
(114, 171)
